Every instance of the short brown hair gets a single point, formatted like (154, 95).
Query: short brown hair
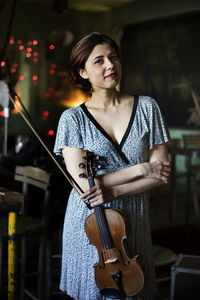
(82, 51)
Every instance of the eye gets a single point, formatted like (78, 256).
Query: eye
(113, 57)
(98, 61)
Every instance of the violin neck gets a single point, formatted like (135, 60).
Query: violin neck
(103, 228)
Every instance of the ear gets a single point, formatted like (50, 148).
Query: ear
(83, 73)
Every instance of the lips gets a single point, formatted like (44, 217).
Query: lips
(112, 75)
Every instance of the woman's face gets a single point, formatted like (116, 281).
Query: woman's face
(102, 68)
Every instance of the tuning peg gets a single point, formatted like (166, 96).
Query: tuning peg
(82, 175)
(81, 165)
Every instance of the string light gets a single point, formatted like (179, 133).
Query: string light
(28, 54)
(52, 71)
(2, 113)
(29, 49)
(50, 132)
(3, 63)
(21, 77)
(21, 47)
(51, 47)
(35, 42)
(35, 78)
(46, 113)
(12, 40)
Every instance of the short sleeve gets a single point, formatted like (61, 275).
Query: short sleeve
(158, 129)
(68, 132)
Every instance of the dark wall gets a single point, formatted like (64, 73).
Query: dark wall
(156, 56)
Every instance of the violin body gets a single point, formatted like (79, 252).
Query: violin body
(114, 259)
(116, 275)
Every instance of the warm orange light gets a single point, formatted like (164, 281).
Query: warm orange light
(35, 78)
(21, 47)
(28, 55)
(29, 49)
(3, 63)
(21, 77)
(29, 43)
(12, 41)
(76, 98)
(2, 113)
(17, 106)
(35, 42)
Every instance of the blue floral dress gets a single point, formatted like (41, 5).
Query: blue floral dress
(78, 128)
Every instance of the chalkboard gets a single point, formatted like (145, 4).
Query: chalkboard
(158, 56)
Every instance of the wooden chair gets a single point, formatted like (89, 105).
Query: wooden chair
(52, 215)
(40, 180)
(191, 141)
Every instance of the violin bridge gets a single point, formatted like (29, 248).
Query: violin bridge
(111, 255)
(110, 260)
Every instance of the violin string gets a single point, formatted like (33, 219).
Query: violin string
(103, 228)
(105, 237)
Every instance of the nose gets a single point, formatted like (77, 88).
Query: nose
(109, 64)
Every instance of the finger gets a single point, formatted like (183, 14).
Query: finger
(96, 203)
(88, 192)
(165, 174)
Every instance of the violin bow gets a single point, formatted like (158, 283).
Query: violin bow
(25, 115)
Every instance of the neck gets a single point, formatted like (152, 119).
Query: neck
(104, 98)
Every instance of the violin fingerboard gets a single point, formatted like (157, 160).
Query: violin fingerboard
(91, 181)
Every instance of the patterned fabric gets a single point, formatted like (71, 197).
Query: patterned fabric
(77, 128)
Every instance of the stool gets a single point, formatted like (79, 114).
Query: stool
(185, 278)
(163, 260)
(11, 209)
(11, 203)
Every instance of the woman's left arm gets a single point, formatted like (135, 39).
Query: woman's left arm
(102, 194)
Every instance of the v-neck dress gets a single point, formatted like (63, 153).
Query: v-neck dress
(78, 128)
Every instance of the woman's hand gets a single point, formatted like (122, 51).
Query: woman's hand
(157, 169)
(98, 195)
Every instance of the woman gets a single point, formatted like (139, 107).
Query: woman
(128, 134)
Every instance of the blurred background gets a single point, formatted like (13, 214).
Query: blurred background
(160, 52)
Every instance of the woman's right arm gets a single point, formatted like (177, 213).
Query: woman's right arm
(74, 156)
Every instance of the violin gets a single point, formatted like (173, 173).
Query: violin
(116, 275)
